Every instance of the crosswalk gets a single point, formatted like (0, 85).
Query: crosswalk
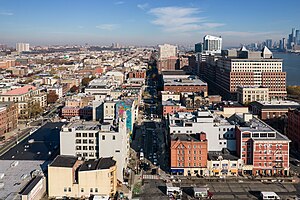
(147, 176)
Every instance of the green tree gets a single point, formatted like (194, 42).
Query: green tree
(34, 110)
(86, 80)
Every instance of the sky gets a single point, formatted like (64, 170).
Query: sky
(142, 22)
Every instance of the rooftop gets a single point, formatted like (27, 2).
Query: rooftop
(32, 183)
(20, 91)
(101, 163)
(64, 161)
(16, 176)
(224, 155)
(186, 137)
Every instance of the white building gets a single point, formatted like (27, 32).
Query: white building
(220, 133)
(91, 140)
(212, 44)
(167, 50)
(250, 94)
(20, 47)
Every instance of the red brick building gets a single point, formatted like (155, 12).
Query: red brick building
(263, 150)
(271, 109)
(8, 117)
(137, 74)
(188, 154)
(167, 64)
(293, 130)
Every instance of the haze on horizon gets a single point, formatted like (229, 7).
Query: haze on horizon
(135, 22)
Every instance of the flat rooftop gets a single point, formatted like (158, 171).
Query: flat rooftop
(64, 161)
(215, 155)
(185, 137)
(101, 163)
(16, 177)
(276, 104)
(45, 145)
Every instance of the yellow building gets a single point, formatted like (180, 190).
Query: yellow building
(70, 177)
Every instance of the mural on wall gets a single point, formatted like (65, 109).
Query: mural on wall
(125, 107)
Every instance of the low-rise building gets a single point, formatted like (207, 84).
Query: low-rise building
(91, 140)
(8, 117)
(223, 164)
(25, 97)
(73, 178)
(220, 132)
(293, 130)
(263, 150)
(272, 109)
(246, 95)
(188, 154)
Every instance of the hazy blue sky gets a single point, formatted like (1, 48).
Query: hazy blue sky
(145, 22)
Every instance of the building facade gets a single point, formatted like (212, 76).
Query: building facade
(263, 150)
(246, 95)
(91, 140)
(69, 177)
(188, 154)
(293, 131)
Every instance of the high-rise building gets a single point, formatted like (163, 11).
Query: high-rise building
(297, 37)
(199, 47)
(212, 44)
(247, 69)
(269, 43)
(167, 51)
(20, 47)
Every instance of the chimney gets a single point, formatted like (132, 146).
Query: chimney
(202, 136)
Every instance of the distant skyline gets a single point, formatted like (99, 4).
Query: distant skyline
(133, 22)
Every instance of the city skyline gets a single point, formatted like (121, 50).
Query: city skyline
(144, 22)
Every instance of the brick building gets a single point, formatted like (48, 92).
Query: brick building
(167, 64)
(180, 82)
(137, 74)
(293, 130)
(272, 109)
(8, 117)
(248, 69)
(263, 150)
(188, 154)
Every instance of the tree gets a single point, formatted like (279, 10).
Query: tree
(86, 80)
(52, 97)
(34, 110)
(74, 89)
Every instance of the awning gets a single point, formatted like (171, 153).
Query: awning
(177, 170)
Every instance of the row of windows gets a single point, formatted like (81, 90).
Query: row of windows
(182, 158)
(189, 164)
(91, 148)
(82, 189)
(189, 152)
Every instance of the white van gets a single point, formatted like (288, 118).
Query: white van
(269, 196)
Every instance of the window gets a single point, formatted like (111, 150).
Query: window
(84, 147)
(114, 137)
(96, 189)
(65, 189)
(91, 190)
(84, 135)
(84, 141)
(69, 189)
(91, 148)
(82, 190)
(91, 141)
(103, 137)
(78, 134)
(91, 134)
(78, 141)
(78, 147)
